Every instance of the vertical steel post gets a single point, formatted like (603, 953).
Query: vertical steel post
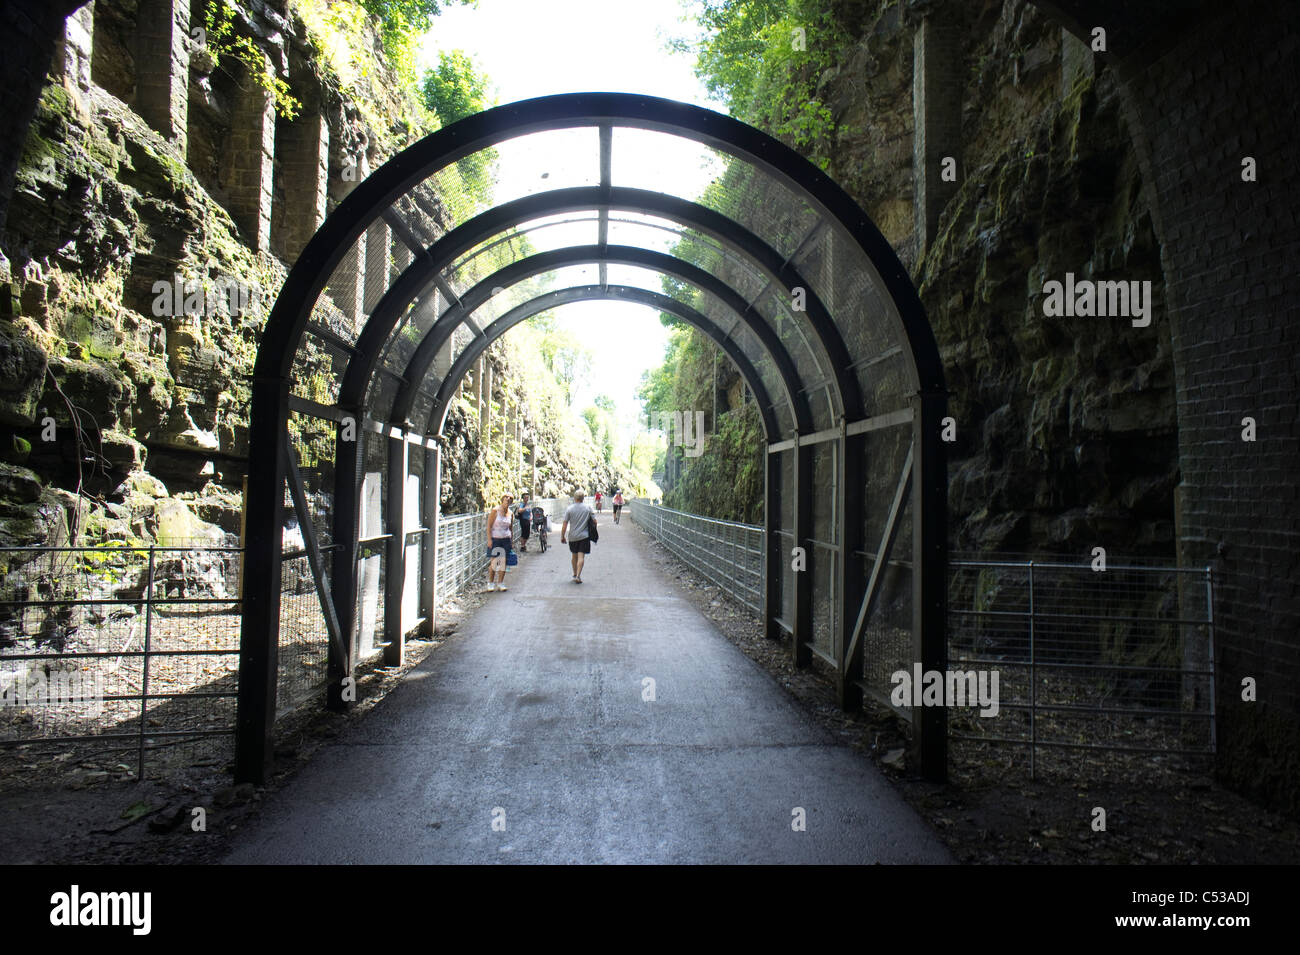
(260, 627)
(394, 526)
(772, 557)
(343, 563)
(930, 574)
(144, 675)
(852, 494)
(801, 620)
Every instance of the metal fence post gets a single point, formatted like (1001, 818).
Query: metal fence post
(144, 680)
(1033, 685)
(1209, 626)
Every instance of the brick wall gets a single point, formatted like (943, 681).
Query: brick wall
(1224, 89)
(30, 29)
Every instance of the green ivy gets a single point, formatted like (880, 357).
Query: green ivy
(224, 43)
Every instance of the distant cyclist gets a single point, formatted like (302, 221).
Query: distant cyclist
(600, 498)
(618, 503)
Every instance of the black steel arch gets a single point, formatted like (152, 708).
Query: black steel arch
(798, 466)
(582, 255)
(327, 247)
(420, 274)
(583, 293)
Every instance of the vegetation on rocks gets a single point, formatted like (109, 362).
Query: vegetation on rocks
(1066, 429)
(121, 424)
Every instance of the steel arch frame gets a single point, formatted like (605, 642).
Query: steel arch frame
(270, 465)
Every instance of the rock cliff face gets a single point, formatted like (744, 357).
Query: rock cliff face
(1066, 429)
(145, 245)
(1065, 426)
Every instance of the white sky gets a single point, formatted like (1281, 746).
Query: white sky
(534, 48)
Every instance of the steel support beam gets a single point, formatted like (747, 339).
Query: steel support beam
(346, 527)
(851, 494)
(395, 571)
(774, 556)
(930, 574)
(801, 619)
(260, 624)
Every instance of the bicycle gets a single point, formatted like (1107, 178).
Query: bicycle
(539, 527)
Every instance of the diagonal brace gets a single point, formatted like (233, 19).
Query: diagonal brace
(312, 546)
(882, 556)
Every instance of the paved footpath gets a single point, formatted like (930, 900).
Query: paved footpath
(533, 716)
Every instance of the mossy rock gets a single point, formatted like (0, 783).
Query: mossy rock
(178, 526)
(22, 375)
(19, 484)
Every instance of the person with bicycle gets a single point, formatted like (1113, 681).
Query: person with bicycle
(599, 500)
(618, 503)
(539, 526)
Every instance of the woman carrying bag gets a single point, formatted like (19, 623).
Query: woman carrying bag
(499, 548)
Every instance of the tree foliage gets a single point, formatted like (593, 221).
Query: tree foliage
(452, 90)
(401, 25)
(764, 59)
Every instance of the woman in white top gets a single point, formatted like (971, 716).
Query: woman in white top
(499, 541)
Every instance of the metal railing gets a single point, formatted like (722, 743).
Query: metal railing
(462, 547)
(119, 648)
(725, 552)
(1120, 660)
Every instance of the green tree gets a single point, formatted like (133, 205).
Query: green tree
(566, 356)
(764, 58)
(736, 38)
(402, 23)
(452, 90)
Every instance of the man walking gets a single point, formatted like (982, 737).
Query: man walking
(578, 522)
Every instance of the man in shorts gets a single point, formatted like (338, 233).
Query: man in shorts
(578, 521)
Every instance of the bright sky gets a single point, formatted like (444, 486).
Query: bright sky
(534, 48)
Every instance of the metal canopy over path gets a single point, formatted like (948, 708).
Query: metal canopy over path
(534, 716)
(409, 280)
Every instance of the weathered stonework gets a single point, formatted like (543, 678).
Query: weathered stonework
(163, 67)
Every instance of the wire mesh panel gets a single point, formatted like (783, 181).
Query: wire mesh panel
(304, 641)
(725, 552)
(1087, 659)
(462, 552)
(887, 633)
(127, 649)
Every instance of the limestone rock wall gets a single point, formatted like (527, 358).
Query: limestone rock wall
(1066, 427)
(156, 154)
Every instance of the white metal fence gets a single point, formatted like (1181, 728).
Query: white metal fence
(727, 553)
(1119, 661)
(462, 547)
